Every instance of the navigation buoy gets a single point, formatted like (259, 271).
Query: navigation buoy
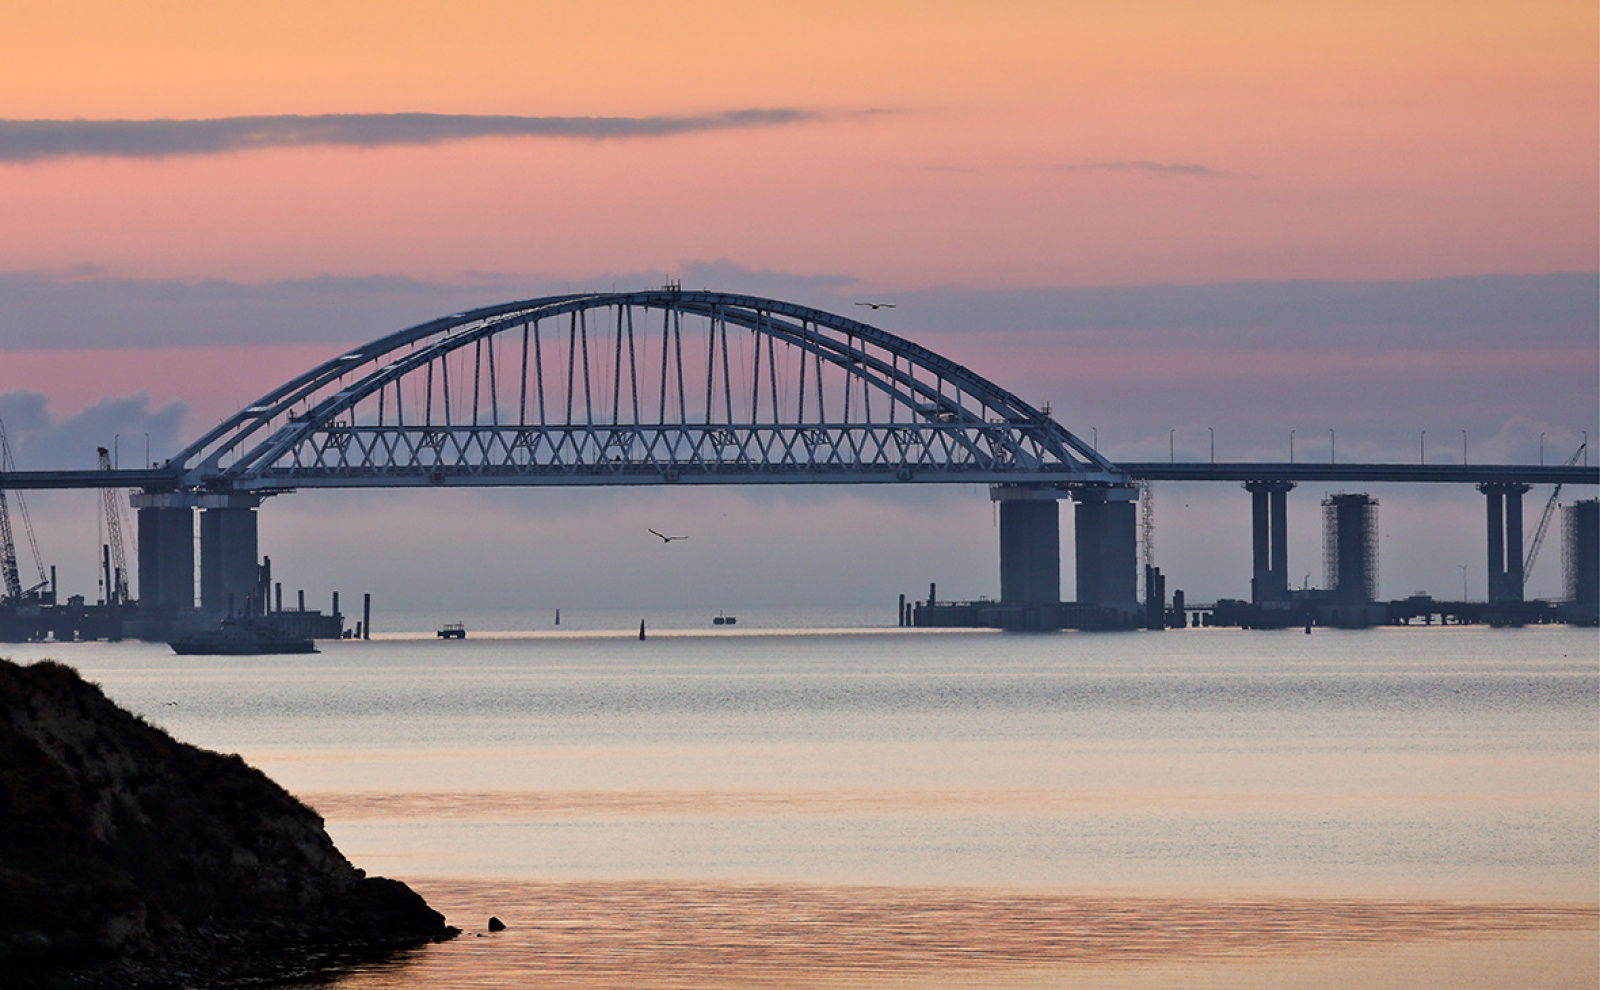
(641, 629)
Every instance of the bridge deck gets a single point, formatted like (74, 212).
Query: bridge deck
(1528, 474)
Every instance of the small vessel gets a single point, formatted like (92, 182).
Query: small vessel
(452, 630)
(725, 620)
(239, 637)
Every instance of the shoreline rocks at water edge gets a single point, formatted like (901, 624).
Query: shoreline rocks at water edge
(131, 860)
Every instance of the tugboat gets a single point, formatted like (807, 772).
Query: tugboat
(452, 630)
(239, 636)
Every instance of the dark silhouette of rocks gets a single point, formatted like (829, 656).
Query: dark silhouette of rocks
(496, 925)
(129, 859)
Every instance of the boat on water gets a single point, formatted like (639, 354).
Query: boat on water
(239, 637)
(452, 630)
(725, 620)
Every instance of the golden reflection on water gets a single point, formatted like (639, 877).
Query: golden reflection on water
(662, 934)
(570, 804)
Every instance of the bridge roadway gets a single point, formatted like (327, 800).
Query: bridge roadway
(1475, 474)
(157, 479)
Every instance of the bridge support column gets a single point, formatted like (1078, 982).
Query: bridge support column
(1105, 536)
(1503, 502)
(1030, 545)
(1269, 540)
(229, 576)
(166, 558)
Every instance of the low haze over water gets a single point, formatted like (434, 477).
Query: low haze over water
(808, 806)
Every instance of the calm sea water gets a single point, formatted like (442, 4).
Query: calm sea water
(722, 807)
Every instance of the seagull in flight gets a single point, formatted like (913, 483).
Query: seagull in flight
(664, 537)
(876, 306)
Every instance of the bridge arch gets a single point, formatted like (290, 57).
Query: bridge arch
(660, 386)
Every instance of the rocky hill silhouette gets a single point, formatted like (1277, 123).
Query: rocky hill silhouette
(129, 859)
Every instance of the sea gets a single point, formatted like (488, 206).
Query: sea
(817, 799)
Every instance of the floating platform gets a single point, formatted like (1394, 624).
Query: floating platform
(240, 637)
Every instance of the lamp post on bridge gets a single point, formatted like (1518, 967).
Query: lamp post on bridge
(1463, 448)
(1213, 433)
(1291, 446)
(1422, 448)
(1332, 450)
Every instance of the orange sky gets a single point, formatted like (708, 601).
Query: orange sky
(1352, 140)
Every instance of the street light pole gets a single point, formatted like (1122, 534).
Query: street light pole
(1422, 448)
(1213, 433)
(1463, 447)
(1172, 446)
(1291, 446)
(1332, 449)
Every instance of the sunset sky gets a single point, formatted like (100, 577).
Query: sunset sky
(1375, 218)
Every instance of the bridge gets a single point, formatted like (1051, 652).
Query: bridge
(674, 387)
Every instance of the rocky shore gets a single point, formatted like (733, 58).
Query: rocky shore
(131, 860)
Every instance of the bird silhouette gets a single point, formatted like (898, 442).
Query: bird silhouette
(876, 305)
(664, 537)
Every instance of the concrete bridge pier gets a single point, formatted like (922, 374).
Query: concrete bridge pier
(1030, 545)
(1503, 502)
(1269, 543)
(166, 557)
(229, 575)
(1106, 536)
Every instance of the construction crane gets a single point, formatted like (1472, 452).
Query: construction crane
(116, 564)
(9, 572)
(1549, 513)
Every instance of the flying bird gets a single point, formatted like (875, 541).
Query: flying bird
(877, 305)
(664, 537)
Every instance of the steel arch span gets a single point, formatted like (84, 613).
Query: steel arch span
(654, 387)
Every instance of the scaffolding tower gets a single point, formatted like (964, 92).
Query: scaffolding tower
(1350, 547)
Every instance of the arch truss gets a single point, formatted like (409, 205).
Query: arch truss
(662, 386)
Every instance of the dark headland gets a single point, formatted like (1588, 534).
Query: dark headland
(129, 859)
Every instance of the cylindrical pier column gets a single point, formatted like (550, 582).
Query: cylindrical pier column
(1280, 540)
(1260, 544)
(1503, 513)
(1269, 540)
(228, 554)
(1494, 503)
(1106, 538)
(166, 556)
(1030, 546)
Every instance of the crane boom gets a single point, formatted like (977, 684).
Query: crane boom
(7, 546)
(117, 590)
(8, 554)
(1547, 515)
